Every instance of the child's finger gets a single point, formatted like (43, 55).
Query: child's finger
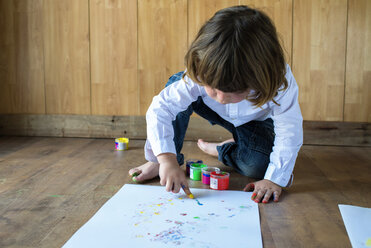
(267, 196)
(259, 196)
(176, 188)
(254, 194)
(276, 196)
(249, 187)
(162, 181)
(186, 188)
(169, 185)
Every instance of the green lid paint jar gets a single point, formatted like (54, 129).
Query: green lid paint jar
(195, 171)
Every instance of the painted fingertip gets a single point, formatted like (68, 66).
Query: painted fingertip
(265, 201)
(253, 195)
(135, 174)
(134, 179)
(256, 201)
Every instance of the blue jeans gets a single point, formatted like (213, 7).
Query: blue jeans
(253, 141)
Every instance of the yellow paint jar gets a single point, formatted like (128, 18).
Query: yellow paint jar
(121, 144)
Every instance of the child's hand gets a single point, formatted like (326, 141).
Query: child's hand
(264, 189)
(170, 173)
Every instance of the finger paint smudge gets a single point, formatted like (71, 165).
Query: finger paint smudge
(198, 202)
(368, 242)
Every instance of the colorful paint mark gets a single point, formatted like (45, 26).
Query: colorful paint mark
(198, 202)
(172, 235)
(20, 192)
(368, 242)
(56, 196)
(175, 233)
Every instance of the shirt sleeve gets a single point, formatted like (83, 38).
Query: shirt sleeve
(163, 110)
(288, 127)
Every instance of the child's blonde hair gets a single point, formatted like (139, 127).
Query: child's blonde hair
(238, 50)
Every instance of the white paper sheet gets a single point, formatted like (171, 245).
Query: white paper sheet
(357, 221)
(148, 216)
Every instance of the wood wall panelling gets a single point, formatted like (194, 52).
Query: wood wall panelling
(358, 65)
(162, 44)
(280, 11)
(21, 59)
(113, 26)
(136, 45)
(66, 47)
(319, 57)
(7, 56)
(199, 11)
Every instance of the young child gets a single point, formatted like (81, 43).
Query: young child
(236, 76)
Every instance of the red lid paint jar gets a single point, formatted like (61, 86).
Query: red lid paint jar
(191, 161)
(195, 171)
(219, 180)
(206, 174)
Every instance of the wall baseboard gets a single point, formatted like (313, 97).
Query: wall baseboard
(134, 127)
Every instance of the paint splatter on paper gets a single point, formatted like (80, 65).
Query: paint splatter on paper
(148, 216)
(198, 202)
(368, 242)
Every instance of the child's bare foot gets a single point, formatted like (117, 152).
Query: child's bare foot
(210, 148)
(144, 172)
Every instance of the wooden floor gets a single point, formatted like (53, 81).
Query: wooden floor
(49, 187)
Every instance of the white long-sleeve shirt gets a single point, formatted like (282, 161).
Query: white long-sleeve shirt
(286, 117)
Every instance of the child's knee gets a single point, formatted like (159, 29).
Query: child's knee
(254, 166)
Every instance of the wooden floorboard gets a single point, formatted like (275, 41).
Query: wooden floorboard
(49, 187)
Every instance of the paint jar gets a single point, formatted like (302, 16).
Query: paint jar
(191, 161)
(121, 144)
(206, 174)
(219, 180)
(195, 171)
